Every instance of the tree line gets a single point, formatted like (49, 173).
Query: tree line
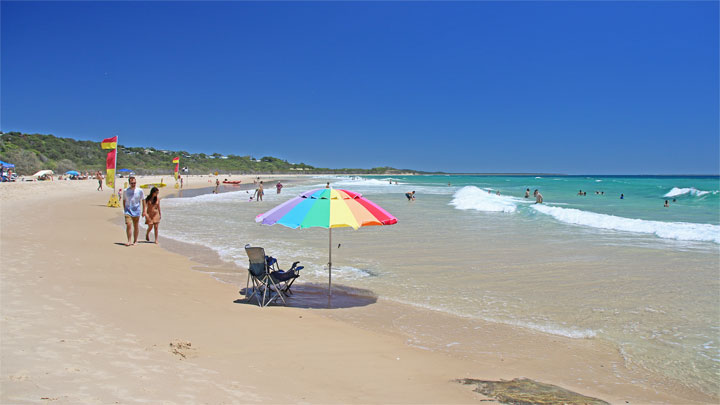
(32, 152)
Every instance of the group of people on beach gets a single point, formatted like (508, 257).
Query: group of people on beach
(135, 206)
(260, 190)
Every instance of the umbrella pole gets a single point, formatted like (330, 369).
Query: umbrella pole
(330, 263)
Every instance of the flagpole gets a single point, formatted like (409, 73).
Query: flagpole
(330, 264)
(115, 168)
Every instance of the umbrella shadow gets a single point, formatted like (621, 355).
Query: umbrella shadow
(315, 296)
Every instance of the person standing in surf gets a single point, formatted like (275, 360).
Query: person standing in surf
(259, 192)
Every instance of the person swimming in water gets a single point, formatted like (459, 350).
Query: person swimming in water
(527, 193)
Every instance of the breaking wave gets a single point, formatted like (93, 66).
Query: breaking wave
(688, 190)
(667, 230)
(473, 198)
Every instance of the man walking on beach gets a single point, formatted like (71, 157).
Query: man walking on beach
(99, 178)
(134, 208)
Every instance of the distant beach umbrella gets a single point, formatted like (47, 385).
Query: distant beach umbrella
(327, 208)
(6, 164)
(72, 173)
(43, 173)
(125, 170)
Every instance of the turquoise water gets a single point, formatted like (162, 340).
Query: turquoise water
(631, 272)
(697, 198)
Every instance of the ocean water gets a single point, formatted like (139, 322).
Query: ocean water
(628, 271)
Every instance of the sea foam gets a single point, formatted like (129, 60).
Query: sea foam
(667, 230)
(676, 191)
(473, 198)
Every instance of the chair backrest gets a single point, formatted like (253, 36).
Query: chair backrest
(257, 266)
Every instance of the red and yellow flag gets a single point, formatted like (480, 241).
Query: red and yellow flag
(110, 143)
(176, 160)
(110, 168)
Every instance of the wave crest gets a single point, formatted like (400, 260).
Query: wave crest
(667, 230)
(473, 198)
(676, 191)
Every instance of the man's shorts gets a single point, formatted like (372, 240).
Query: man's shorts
(131, 220)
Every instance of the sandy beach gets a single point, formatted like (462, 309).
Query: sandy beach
(85, 319)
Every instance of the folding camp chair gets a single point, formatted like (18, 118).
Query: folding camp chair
(268, 282)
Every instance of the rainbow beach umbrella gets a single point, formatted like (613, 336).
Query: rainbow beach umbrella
(327, 208)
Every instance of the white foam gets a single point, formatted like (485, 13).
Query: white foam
(688, 190)
(343, 273)
(371, 186)
(549, 328)
(569, 332)
(363, 182)
(473, 198)
(668, 230)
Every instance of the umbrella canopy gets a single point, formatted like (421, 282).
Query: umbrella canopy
(72, 172)
(125, 170)
(6, 164)
(43, 173)
(327, 208)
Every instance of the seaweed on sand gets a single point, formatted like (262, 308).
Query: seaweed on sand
(523, 391)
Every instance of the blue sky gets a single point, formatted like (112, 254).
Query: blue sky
(565, 87)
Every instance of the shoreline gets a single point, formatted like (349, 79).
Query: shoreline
(111, 300)
(516, 344)
(379, 323)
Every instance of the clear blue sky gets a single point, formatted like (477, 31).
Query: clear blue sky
(570, 87)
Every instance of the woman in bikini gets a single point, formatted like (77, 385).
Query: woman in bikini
(153, 216)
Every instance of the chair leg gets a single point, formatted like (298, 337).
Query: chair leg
(279, 291)
(256, 292)
(265, 290)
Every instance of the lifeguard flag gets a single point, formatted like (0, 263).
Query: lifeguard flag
(110, 143)
(110, 168)
(176, 160)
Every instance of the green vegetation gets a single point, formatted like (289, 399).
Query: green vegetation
(32, 152)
